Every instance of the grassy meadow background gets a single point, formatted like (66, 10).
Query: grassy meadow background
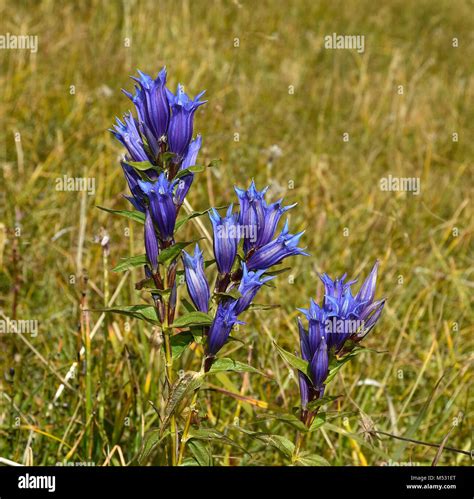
(278, 87)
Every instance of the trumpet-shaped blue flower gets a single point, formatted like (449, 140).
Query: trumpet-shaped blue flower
(137, 198)
(196, 282)
(180, 129)
(249, 285)
(151, 103)
(314, 351)
(274, 252)
(189, 160)
(224, 321)
(127, 133)
(162, 208)
(226, 238)
(260, 218)
(341, 317)
(348, 316)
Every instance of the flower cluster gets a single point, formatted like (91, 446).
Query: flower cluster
(159, 145)
(253, 230)
(342, 318)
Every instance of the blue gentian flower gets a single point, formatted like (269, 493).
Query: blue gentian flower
(274, 252)
(220, 329)
(162, 207)
(226, 238)
(127, 133)
(151, 241)
(152, 106)
(259, 218)
(137, 198)
(196, 282)
(180, 129)
(314, 351)
(249, 285)
(348, 316)
(342, 317)
(252, 215)
(189, 160)
(272, 215)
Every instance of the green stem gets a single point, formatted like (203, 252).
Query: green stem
(169, 379)
(169, 373)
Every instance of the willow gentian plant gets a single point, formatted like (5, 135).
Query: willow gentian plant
(249, 242)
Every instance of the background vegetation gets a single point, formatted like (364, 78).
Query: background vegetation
(270, 82)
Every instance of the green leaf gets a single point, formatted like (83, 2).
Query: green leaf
(166, 156)
(130, 262)
(318, 421)
(193, 319)
(141, 165)
(322, 401)
(232, 293)
(294, 361)
(138, 216)
(141, 312)
(180, 390)
(277, 271)
(179, 343)
(312, 460)
(189, 171)
(194, 214)
(200, 453)
(150, 441)
(289, 419)
(171, 253)
(282, 444)
(336, 364)
(226, 364)
(258, 306)
(213, 434)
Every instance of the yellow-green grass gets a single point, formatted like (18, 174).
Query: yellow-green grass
(269, 81)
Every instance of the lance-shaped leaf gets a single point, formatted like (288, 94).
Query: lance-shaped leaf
(211, 434)
(171, 253)
(150, 442)
(179, 343)
(294, 361)
(336, 364)
(190, 170)
(200, 452)
(226, 364)
(141, 165)
(318, 421)
(138, 216)
(192, 215)
(141, 312)
(182, 388)
(130, 262)
(192, 319)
